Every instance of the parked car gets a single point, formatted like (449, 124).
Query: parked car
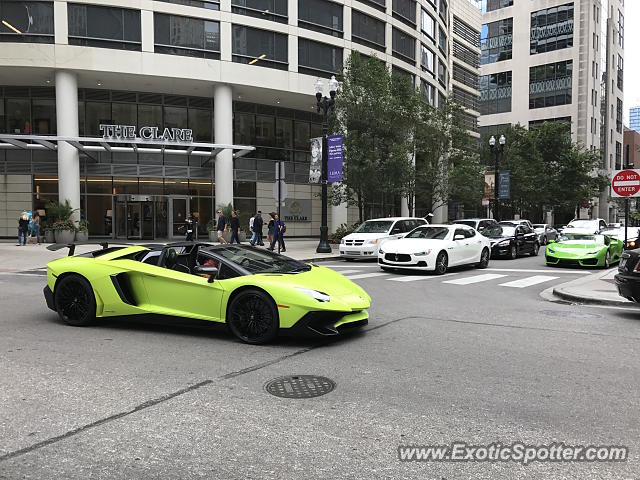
(478, 223)
(545, 232)
(517, 222)
(632, 235)
(594, 226)
(513, 240)
(628, 277)
(436, 248)
(582, 248)
(366, 239)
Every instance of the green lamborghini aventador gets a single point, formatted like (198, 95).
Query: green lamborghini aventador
(258, 294)
(584, 250)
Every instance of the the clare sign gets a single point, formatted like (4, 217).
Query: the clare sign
(128, 132)
(625, 183)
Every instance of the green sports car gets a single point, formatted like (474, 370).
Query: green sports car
(584, 250)
(258, 294)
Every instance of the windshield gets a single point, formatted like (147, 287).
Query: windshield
(374, 226)
(469, 223)
(499, 231)
(539, 225)
(582, 224)
(429, 233)
(568, 237)
(260, 261)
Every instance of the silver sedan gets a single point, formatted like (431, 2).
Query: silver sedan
(545, 232)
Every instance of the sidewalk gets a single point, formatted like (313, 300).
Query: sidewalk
(30, 257)
(599, 288)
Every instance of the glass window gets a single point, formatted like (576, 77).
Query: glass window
(100, 214)
(318, 58)
(99, 185)
(496, 41)
(265, 130)
(201, 123)
(97, 113)
(107, 27)
(403, 46)
(552, 29)
(377, 4)
(124, 113)
(175, 117)
(405, 11)
(275, 10)
(428, 25)
(367, 30)
(44, 116)
(320, 16)
(495, 93)
(186, 36)
(490, 5)
(444, 11)
(426, 59)
(284, 133)
(442, 73)
(243, 128)
(302, 136)
(550, 84)
(34, 21)
(127, 186)
(260, 47)
(18, 115)
(150, 115)
(209, 4)
(429, 91)
(442, 41)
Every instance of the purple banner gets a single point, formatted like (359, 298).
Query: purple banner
(334, 158)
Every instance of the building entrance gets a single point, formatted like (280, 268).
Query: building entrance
(134, 217)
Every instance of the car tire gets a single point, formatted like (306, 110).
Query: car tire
(536, 249)
(484, 258)
(252, 317)
(75, 301)
(513, 253)
(442, 263)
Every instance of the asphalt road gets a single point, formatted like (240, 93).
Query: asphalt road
(444, 359)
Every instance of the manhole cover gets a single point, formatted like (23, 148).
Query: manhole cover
(567, 314)
(300, 386)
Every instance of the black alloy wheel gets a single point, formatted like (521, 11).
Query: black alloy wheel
(536, 249)
(513, 253)
(442, 263)
(252, 317)
(484, 258)
(74, 301)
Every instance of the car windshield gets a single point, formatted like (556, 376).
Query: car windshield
(582, 224)
(429, 233)
(498, 231)
(580, 237)
(539, 225)
(260, 261)
(469, 223)
(374, 226)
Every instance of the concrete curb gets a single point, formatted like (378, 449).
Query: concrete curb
(561, 292)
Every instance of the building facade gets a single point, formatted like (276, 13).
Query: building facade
(634, 118)
(631, 148)
(556, 60)
(232, 72)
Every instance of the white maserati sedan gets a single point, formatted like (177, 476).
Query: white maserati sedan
(436, 248)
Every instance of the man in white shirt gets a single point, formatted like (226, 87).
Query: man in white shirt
(253, 234)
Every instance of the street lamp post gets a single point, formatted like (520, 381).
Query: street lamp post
(325, 104)
(497, 151)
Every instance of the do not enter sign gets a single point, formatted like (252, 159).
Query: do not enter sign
(625, 183)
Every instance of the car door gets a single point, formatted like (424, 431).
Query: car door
(457, 250)
(172, 292)
(474, 246)
(530, 237)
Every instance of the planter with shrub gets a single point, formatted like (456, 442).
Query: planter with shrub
(60, 214)
(65, 231)
(82, 232)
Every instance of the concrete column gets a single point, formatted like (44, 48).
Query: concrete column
(61, 25)
(67, 119)
(223, 124)
(146, 19)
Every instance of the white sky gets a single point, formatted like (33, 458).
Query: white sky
(631, 56)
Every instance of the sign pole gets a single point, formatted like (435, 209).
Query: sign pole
(279, 179)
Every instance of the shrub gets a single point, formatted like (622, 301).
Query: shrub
(60, 225)
(342, 231)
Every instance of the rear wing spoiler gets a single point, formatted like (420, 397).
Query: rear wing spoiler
(54, 247)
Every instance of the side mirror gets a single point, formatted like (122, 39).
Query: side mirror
(459, 237)
(395, 231)
(211, 271)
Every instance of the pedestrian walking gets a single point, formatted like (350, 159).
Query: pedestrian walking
(278, 234)
(235, 226)
(253, 234)
(222, 224)
(36, 225)
(189, 225)
(270, 227)
(257, 229)
(23, 228)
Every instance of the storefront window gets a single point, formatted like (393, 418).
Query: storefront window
(18, 115)
(176, 186)
(243, 127)
(150, 115)
(126, 186)
(302, 136)
(201, 208)
(175, 117)
(124, 113)
(34, 21)
(44, 116)
(151, 186)
(99, 215)
(265, 134)
(99, 185)
(96, 113)
(201, 124)
(284, 133)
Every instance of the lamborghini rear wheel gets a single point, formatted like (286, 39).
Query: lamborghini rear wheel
(74, 301)
(252, 317)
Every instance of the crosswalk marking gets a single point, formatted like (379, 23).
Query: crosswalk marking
(370, 265)
(344, 272)
(528, 281)
(366, 275)
(522, 270)
(475, 279)
(416, 278)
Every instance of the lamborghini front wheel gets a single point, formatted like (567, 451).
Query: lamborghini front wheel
(74, 301)
(252, 317)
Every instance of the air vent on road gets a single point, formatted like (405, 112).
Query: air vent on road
(300, 386)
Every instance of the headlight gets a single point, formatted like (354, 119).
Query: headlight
(319, 296)
(504, 243)
(551, 250)
(342, 242)
(372, 242)
(422, 254)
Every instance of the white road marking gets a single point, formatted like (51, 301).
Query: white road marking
(554, 271)
(475, 279)
(366, 275)
(24, 274)
(528, 281)
(371, 265)
(344, 272)
(417, 278)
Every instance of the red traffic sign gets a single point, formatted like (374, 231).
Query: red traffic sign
(625, 183)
